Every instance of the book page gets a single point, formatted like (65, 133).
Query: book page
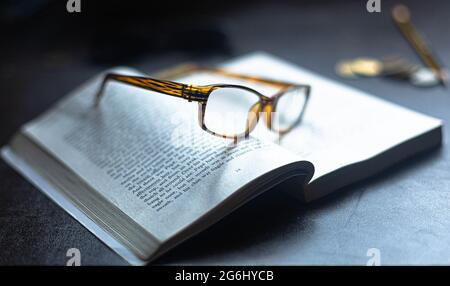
(146, 154)
(341, 125)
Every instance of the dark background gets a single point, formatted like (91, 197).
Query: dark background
(46, 52)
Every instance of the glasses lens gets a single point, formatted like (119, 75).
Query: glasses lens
(289, 108)
(231, 111)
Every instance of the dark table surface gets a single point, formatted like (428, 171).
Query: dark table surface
(404, 212)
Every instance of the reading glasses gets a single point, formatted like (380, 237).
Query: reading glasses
(229, 110)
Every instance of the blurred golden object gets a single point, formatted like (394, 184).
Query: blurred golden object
(393, 67)
(402, 17)
(367, 67)
(359, 67)
(344, 69)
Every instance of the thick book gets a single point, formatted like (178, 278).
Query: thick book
(139, 173)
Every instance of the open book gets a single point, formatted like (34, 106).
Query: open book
(142, 176)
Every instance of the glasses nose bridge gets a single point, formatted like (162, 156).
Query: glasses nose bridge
(266, 101)
(267, 109)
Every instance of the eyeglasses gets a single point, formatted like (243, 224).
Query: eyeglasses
(229, 110)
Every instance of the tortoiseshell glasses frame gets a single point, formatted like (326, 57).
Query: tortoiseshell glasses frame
(200, 93)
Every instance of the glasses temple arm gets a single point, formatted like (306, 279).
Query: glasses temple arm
(189, 92)
(276, 83)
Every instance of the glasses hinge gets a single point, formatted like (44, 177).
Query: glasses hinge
(186, 92)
